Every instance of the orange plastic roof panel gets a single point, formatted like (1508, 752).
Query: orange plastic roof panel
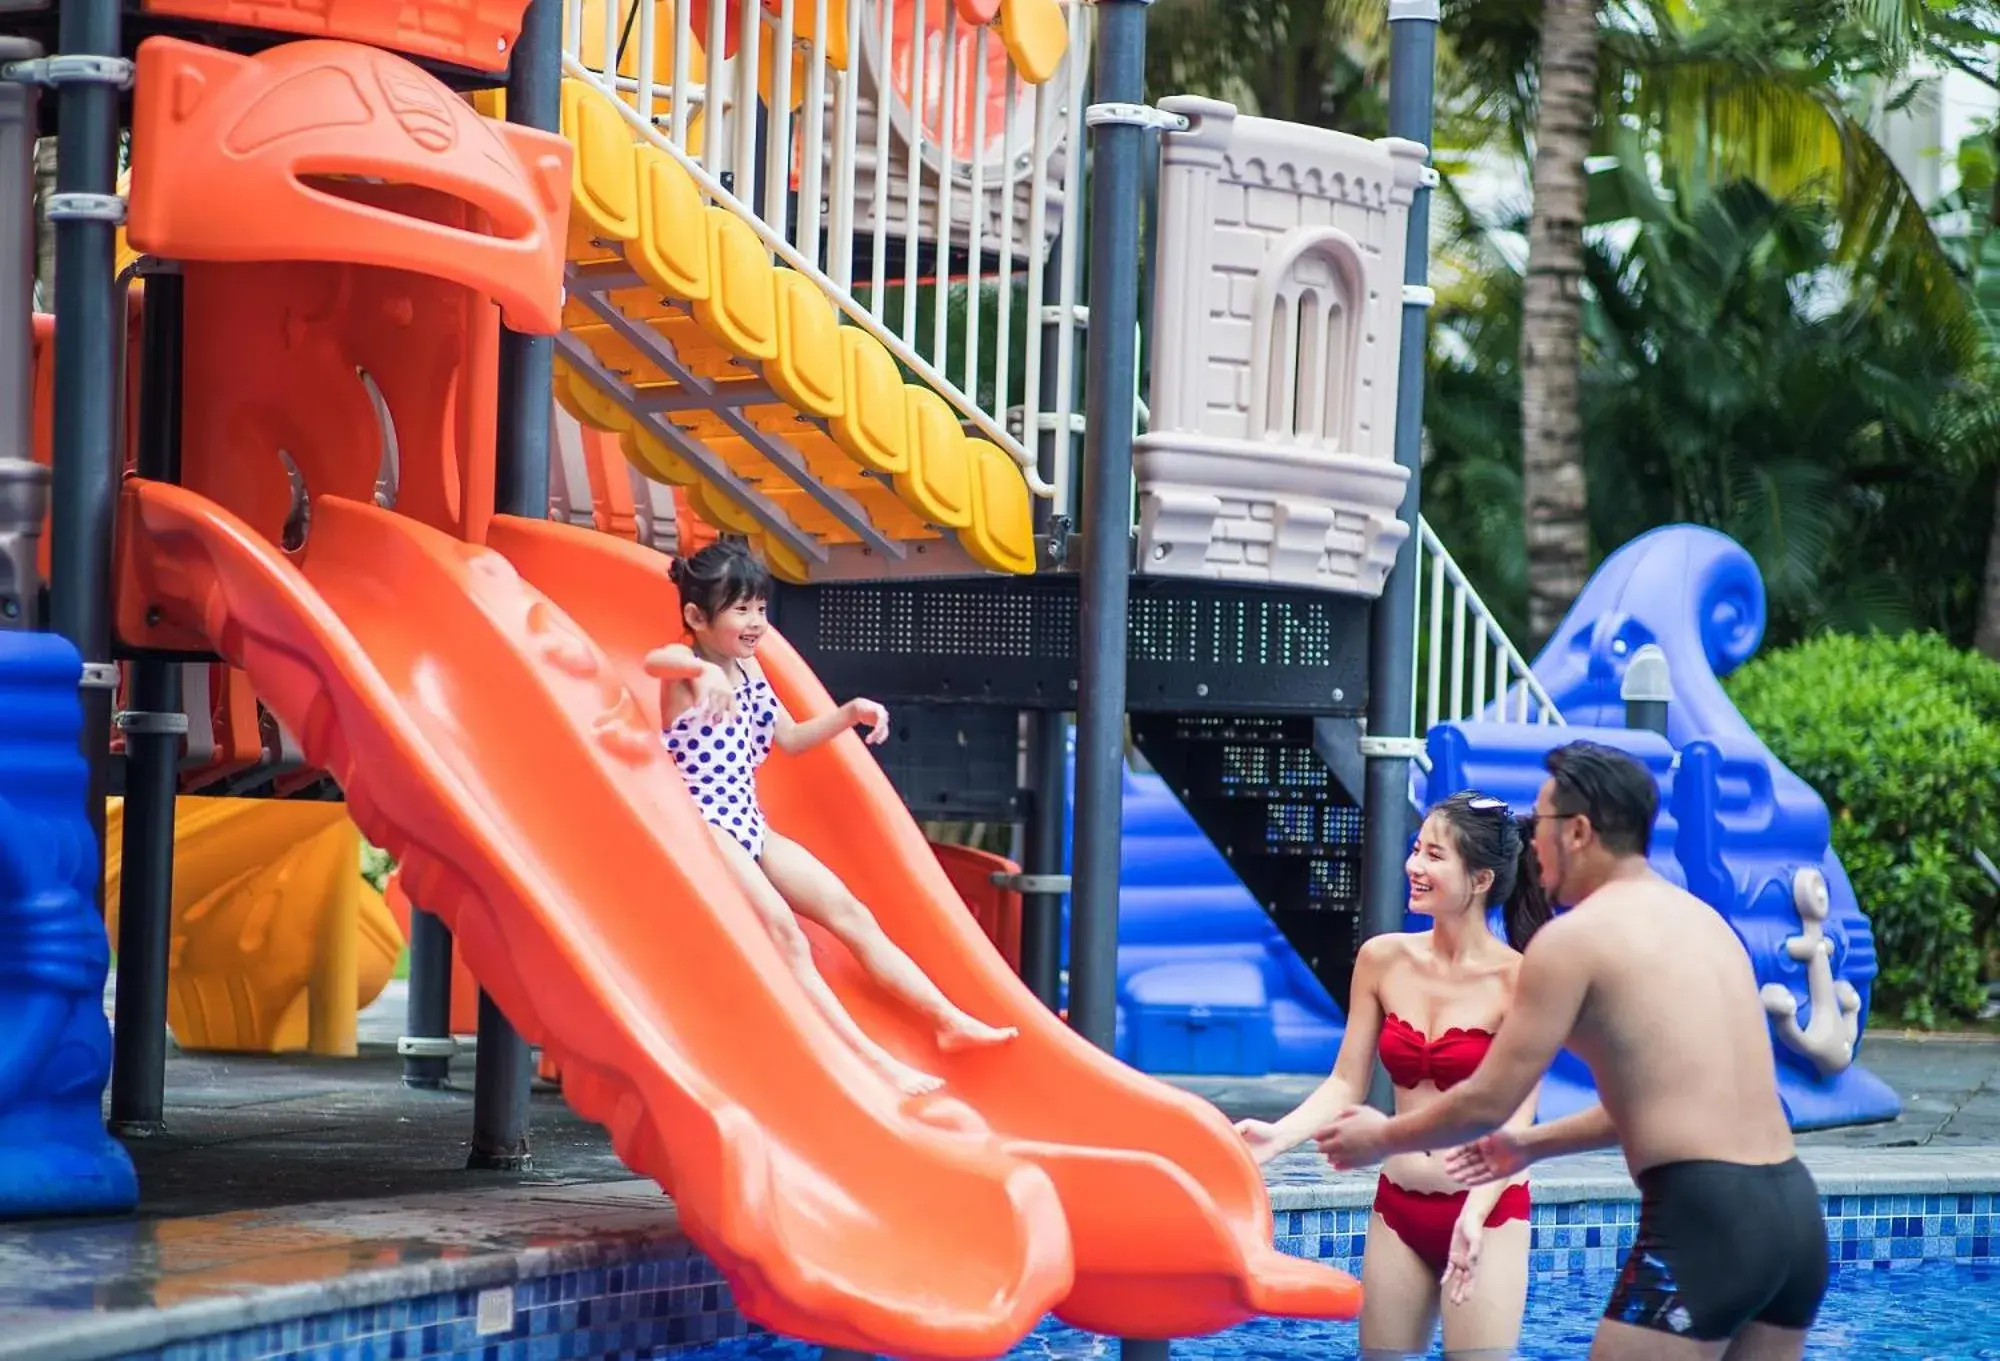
(476, 33)
(257, 158)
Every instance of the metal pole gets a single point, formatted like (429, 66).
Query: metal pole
(1648, 690)
(427, 1045)
(154, 726)
(503, 1070)
(1392, 634)
(1041, 913)
(1117, 144)
(24, 484)
(89, 331)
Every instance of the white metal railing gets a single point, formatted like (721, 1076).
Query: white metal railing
(929, 220)
(1465, 667)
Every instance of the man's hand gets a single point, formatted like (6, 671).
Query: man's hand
(1263, 1138)
(1498, 1156)
(1354, 1138)
(1468, 1237)
(713, 697)
(871, 715)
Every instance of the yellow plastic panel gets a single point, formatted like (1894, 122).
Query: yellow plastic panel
(873, 424)
(1002, 534)
(890, 515)
(810, 515)
(671, 250)
(604, 185)
(720, 509)
(785, 565)
(581, 398)
(938, 485)
(740, 310)
(651, 455)
(1036, 35)
(806, 371)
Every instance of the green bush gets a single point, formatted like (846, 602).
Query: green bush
(1901, 737)
(376, 865)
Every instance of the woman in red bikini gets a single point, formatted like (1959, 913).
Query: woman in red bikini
(1429, 1002)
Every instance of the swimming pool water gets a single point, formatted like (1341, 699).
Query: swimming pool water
(1935, 1311)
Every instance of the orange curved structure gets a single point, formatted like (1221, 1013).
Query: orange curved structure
(1169, 1217)
(489, 745)
(478, 34)
(271, 158)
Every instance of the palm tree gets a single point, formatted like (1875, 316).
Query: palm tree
(1555, 502)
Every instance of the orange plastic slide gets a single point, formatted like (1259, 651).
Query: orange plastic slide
(485, 742)
(1168, 1215)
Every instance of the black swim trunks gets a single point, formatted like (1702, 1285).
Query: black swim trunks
(1721, 1245)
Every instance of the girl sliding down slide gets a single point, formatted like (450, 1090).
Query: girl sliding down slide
(721, 720)
(1430, 1002)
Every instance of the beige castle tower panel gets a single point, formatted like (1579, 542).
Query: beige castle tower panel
(1276, 318)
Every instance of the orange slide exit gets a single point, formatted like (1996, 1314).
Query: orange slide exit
(482, 740)
(1168, 1215)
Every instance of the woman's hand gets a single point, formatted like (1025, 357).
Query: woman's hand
(1265, 1139)
(1468, 1237)
(867, 713)
(711, 694)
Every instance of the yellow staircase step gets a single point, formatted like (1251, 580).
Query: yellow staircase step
(708, 287)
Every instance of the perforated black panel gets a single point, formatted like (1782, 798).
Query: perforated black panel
(954, 762)
(1191, 646)
(1260, 793)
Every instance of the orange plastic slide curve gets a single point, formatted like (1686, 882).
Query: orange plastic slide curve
(487, 744)
(1169, 1217)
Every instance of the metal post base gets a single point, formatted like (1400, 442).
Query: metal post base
(427, 1046)
(844, 1354)
(503, 1075)
(1143, 1349)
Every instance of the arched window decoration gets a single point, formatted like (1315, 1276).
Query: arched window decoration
(1308, 330)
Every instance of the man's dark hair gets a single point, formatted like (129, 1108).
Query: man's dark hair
(1610, 788)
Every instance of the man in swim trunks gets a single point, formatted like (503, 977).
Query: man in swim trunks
(1651, 988)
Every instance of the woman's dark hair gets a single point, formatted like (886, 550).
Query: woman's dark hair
(1490, 837)
(720, 575)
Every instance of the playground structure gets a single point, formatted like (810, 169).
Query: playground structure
(369, 429)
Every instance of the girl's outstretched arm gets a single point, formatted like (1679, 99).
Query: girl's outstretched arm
(794, 737)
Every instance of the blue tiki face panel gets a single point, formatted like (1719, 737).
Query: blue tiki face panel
(55, 1157)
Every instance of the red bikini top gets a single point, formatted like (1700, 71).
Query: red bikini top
(1412, 1056)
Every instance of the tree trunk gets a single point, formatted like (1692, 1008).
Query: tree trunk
(1987, 639)
(45, 236)
(1555, 498)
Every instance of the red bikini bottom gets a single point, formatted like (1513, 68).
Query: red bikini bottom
(1423, 1219)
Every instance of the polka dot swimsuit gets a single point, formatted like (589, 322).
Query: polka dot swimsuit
(719, 760)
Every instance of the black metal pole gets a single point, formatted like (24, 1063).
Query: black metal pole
(154, 725)
(24, 484)
(503, 1068)
(1117, 144)
(86, 213)
(1392, 634)
(427, 1045)
(1041, 913)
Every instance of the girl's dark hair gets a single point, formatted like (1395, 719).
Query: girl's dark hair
(1490, 837)
(720, 575)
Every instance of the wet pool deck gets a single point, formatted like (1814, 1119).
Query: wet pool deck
(283, 1187)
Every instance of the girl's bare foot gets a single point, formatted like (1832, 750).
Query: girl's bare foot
(905, 1079)
(966, 1033)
